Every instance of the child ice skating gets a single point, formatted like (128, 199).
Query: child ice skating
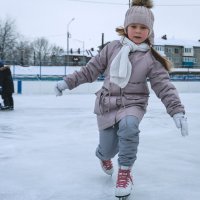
(6, 87)
(121, 103)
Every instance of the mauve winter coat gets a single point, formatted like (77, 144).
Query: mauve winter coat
(112, 102)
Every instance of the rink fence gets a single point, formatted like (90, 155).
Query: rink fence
(47, 87)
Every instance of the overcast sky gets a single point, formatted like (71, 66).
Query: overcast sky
(49, 18)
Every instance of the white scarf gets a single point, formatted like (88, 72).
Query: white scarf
(120, 69)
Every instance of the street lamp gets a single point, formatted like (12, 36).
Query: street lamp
(68, 36)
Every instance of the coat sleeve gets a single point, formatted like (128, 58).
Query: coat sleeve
(90, 72)
(164, 89)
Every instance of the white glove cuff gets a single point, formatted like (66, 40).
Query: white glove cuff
(62, 85)
(177, 119)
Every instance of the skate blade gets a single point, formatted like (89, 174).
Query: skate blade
(123, 198)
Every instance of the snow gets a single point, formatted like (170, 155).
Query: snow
(47, 152)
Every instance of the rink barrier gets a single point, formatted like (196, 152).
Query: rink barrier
(47, 87)
(19, 87)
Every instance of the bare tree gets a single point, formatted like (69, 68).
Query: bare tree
(15, 50)
(8, 38)
(23, 53)
(42, 51)
(56, 55)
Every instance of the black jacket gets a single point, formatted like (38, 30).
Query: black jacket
(6, 81)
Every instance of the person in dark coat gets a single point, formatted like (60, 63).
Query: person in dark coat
(7, 87)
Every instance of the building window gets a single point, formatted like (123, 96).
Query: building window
(159, 48)
(187, 50)
(170, 59)
(189, 59)
(168, 50)
(176, 60)
(176, 50)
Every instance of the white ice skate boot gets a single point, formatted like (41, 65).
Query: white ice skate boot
(124, 182)
(107, 166)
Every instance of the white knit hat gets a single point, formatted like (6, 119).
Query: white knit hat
(140, 13)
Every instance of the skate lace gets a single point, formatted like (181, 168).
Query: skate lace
(124, 178)
(107, 164)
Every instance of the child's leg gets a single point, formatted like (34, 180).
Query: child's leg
(108, 143)
(128, 133)
(128, 140)
(11, 102)
(5, 101)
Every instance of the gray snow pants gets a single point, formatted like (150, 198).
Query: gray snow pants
(122, 138)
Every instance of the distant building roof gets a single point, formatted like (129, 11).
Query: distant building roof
(178, 42)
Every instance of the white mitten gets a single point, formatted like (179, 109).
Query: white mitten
(59, 87)
(181, 122)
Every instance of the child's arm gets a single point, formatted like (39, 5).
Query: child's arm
(166, 91)
(87, 74)
(90, 72)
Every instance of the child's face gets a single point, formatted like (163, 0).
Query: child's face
(137, 33)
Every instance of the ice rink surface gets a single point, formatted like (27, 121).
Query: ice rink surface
(47, 152)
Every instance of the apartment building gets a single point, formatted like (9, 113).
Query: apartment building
(183, 53)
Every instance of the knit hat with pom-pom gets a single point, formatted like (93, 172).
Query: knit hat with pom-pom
(140, 13)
